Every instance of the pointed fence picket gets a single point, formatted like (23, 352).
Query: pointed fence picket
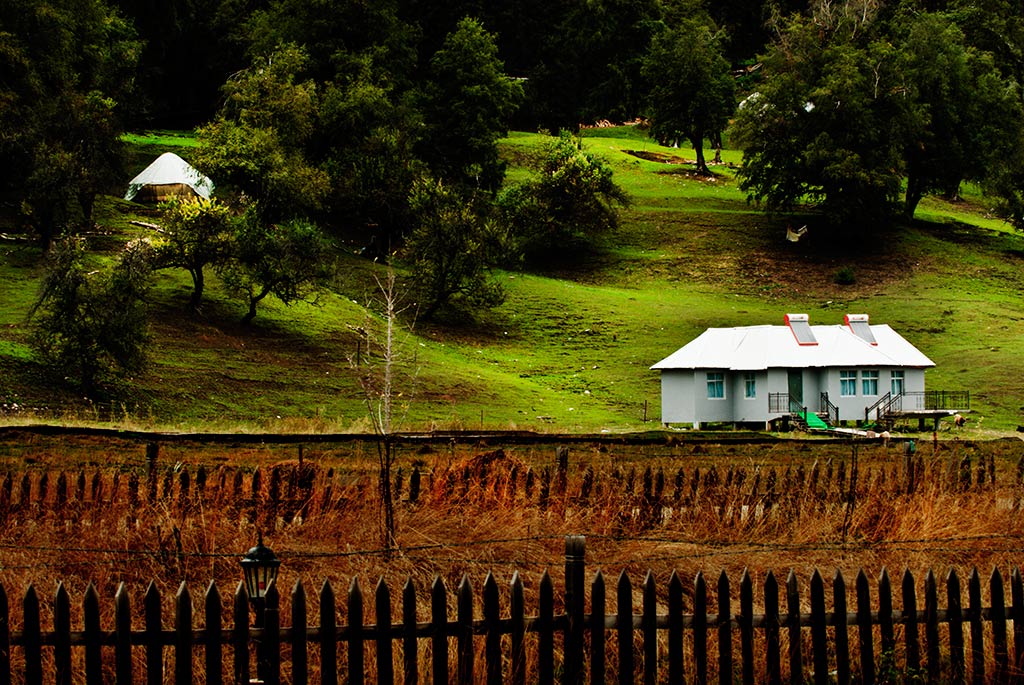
(493, 640)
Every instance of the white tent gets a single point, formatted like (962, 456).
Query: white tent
(168, 176)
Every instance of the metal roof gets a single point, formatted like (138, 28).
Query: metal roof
(755, 348)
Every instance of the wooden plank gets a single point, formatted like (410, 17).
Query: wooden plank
(974, 609)
(300, 626)
(746, 624)
(410, 657)
(597, 629)
(819, 631)
(91, 624)
(842, 634)
(649, 628)
(1017, 616)
(5, 636)
(240, 634)
(931, 628)
(885, 619)
(356, 671)
(724, 629)
(152, 638)
(271, 642)
(700, 629)
(997, 617)
(183, 636)
(384, 646)
(773, 653)
(546, 632)
(122, 636)
(31, 637)
(492, 631)
(214, 650)
(911, 638)
(439, 631)
(796, 664)
(954, 615)
(575, 552)
(328, 635)
(464, 638)
(517, 620)
(675, 629)
(865, 639)
(62, 636)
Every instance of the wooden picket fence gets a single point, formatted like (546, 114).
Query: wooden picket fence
(675, 636)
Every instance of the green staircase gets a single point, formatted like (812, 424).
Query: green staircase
(813, 421)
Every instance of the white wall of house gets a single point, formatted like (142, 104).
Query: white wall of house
(684, 393)
(677, 395)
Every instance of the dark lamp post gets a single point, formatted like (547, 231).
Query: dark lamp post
(260, 567)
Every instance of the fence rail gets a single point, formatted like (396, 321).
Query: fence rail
(682, 633)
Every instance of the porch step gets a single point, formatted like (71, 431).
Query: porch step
(813, 420)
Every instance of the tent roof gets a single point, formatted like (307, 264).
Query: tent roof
(755, 348)
(170, 169)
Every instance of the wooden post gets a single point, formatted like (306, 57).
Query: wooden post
(773, 657)
(410, 661)
(675, 628)
(152, 454)
(492, 628)
(575, 551)
(546, 632)
(649, 627)
(328, 636)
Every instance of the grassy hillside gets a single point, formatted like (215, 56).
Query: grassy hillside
(569, 350)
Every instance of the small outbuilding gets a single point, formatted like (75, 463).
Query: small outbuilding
(822, 374)
(169, 176)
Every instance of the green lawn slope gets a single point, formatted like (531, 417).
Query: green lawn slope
(570, 348)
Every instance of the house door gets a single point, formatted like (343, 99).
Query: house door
(796, 390)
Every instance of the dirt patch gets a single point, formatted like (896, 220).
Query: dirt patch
(660, 157)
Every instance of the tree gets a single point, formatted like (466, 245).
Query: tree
(691, 89)
(826, 124)
(63, 67)
(573, 200)
(963, 110)
(90, 327)
(196, 234)
(467, 105)
(380, 382)
(258, 143)
(290, 260)
(451, 249)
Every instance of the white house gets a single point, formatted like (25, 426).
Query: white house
(754, 374)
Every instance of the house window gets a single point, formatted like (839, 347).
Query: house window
(716, 386)
(848, 383)
(897, 383)
(869, 382)
(750, 386)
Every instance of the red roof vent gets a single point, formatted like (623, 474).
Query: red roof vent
(800, 325)
(860, 327)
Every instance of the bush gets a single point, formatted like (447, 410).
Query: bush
(845, 276)
(91, 327)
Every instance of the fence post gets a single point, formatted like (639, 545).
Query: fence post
(575, 551)
(956, 628)
(675, 628)
(974, 607)
(91, 623)
(649, 628)
(624, 627)
(152, 453)
(773, 658)
(154, 645)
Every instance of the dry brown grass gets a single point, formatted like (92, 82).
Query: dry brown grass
(477, 513)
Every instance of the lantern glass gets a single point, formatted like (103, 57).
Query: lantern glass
(260, 567)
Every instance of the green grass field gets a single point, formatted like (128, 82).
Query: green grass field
(568, 350)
